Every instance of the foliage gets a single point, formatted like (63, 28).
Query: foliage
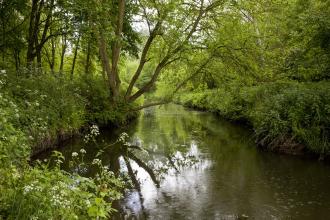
(44, 107)
(44, 191)
(50, 193)
(11, 135)
(277, 111)
(263, 62)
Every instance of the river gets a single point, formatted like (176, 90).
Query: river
(213, 170)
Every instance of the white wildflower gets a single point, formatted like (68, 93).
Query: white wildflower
(96, 161)
(123, 136)
(27, 189)
(74, 154)
(95, 130)
(82, 150)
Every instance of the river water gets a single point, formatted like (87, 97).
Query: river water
(213, 170)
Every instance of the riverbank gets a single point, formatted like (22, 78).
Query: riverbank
(291, 118)
(50, 109)
(37, 112)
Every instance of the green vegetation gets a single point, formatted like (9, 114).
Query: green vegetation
(65, 65)
(266, 64)
(284, 116)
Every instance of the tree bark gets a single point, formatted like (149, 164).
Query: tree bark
(169, 58)
(105, 59)
(32, 32)
(64, 46)
(17, 59)
(34, 44)
(88, 57)
(116, 48)
(52, 60)
(74, 57)
(112, 71)
(143, 59)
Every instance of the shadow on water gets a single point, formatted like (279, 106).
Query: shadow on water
(186, 164)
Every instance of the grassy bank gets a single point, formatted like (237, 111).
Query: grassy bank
(37, 111)
(48, 108)
(287, 117)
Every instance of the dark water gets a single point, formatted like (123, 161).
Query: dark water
(223, 176)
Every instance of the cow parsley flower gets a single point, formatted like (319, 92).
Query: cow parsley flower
(96, 161)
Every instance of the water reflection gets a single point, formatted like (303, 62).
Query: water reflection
(210, 169)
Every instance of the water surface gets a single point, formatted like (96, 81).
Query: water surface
(216, 171)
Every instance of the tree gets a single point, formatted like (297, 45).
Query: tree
(38, 25)
(12, 27)
(168, 32)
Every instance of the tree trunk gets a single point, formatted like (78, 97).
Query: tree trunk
(143, 59)
(88, 57)
(105, 60)
(17, 59)
(112, 71)
(169, 58)
(74, 57)
(64, 46)
(34, 44)
(32, 33)
(38, 54)
(116, 48)
(52, 60)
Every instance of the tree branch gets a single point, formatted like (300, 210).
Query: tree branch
(166, 60)
(143, 60)
(151, 104)
(185, 81)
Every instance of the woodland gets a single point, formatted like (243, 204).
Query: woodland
(66, 65)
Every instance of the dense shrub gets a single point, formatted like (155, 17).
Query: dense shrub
(42, 192)
(11, 136)
(51, 106)
(36, 109)
(48, 106)
(279, 112)
(301, 111)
